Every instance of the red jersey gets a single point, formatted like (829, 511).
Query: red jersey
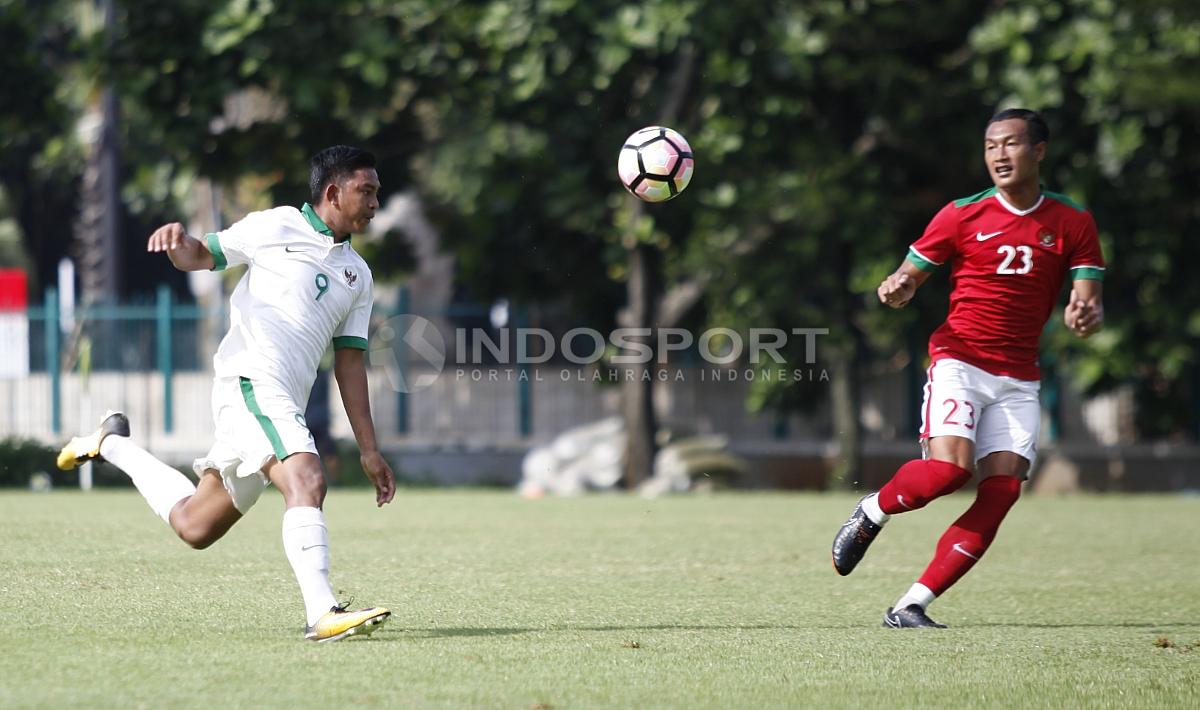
(1006, 270)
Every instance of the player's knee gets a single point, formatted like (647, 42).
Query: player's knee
(307, 486)
(951, 449)
(1004, 463)
(197, 536)
(199, 542)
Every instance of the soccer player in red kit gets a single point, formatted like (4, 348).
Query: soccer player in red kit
(1009, 249)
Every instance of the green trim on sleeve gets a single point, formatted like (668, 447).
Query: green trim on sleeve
(1087, 273)
(263, 421)
(920, 262)
(218, 254)
(349, 341)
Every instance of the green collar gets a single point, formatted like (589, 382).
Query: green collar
(318, 224)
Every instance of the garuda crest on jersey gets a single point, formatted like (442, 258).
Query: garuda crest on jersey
(351, 277)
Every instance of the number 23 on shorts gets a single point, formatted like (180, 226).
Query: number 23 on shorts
(959, 412)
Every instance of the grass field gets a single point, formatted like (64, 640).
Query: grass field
(605, 601)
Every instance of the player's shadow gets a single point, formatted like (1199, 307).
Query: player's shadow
(452, 632)
(1081, 625)
(457, 632)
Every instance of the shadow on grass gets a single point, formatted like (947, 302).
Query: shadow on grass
(453, 632)
(1081, 625)
(516, 631)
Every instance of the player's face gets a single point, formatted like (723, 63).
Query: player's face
(357, 200)
(1010, 156)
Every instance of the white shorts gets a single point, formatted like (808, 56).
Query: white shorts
(255, 422)
(996, 413)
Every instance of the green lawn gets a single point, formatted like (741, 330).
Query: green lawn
(606, 601)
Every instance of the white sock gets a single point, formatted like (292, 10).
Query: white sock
(917, 594)
(306, 542)
(161, 485)
(870, 506)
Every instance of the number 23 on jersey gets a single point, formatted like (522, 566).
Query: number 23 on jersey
(1015, 259)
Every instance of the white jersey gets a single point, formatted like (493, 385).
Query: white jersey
(302, 292)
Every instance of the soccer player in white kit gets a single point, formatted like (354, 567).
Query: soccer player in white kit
(305, 289)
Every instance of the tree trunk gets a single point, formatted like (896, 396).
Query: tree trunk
(847, 432)
(845, 393)
(97, 244)
(642, 307)
(637, 384)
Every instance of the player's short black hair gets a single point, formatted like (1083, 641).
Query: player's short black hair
(1039, 132)
(335, 163)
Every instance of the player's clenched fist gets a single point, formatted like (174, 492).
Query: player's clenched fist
(185, 253)
(897, 290)
(1081, 317)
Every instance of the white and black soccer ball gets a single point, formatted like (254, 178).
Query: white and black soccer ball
(656, 164)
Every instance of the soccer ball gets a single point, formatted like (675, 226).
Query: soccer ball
(655, 164)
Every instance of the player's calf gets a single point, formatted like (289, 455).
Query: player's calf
(162, 486)
(965, 541)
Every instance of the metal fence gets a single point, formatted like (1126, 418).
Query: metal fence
(162, 337)
(152, 360)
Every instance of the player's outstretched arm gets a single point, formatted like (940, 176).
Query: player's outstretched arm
(350, 370)
(186, 253)
(900, 287)
(1084, 313)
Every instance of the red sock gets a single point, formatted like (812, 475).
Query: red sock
(968, 538)
(918, 482)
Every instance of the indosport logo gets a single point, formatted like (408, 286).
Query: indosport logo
(411, 350)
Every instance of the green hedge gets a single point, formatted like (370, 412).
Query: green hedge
(22, 459)
(351, 474)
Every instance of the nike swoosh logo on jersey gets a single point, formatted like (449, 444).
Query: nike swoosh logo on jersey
(984, 237)
(293, 251)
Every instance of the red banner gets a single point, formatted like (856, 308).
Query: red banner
(14, 290)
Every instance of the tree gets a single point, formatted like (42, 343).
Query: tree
(826, 134)
(1116, 83)
(37, 156)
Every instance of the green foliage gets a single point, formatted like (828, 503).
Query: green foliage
(350, 473)
(37, 96)
(22, 458)
(827, 135)
(1125, 143)
(22, 461)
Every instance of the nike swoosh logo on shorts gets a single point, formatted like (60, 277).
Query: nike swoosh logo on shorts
(293, 251)
(984, 237)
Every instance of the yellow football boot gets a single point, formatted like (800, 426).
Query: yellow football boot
(84, 448)
(338, 623)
